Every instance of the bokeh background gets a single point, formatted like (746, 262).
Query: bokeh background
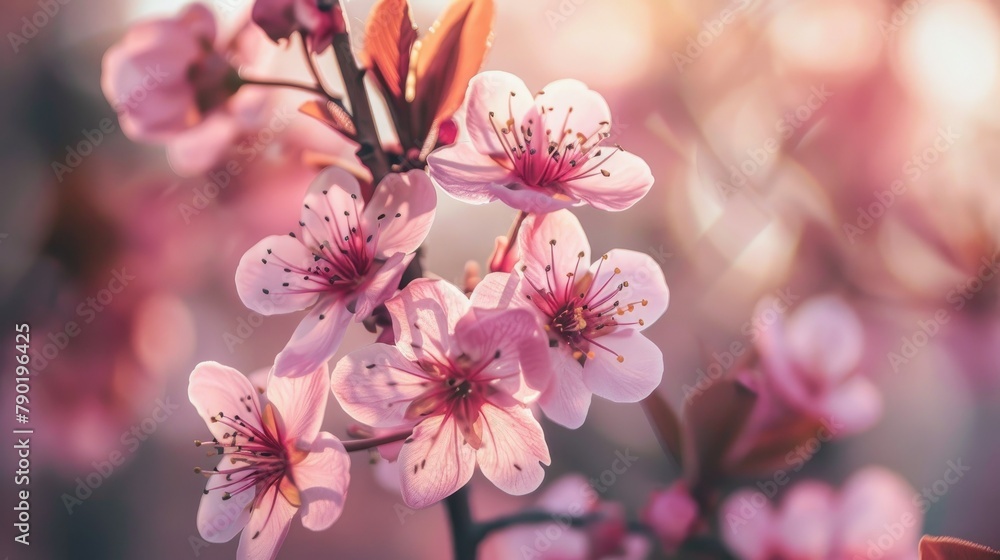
(774, 130)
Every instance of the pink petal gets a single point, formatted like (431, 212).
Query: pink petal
(672, 513)
(512, 337)
(521, 196)
(262, 268)
(381, 285)
(198, 149)
(407, 203)
(467, 175)
(645, 283)
(435, 462)
(315, 340)
(513, 446)
(855, 406)
(333, 192)
(497, 290)
(538, 252)
(806, 525)
(219, 520)
(566, 399)
(267, 528)
(747, 523)
(628, 179)
(871, 500)
(301, 404)
(504, 96)
(425, 313)
(377, 396)
(631, 379)
(569, 492)
(569, 105)
(826, 339)
(215, 388)
(322, 479)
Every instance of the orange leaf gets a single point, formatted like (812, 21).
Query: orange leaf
(330, 115)
(950, 548)
(389, 39)
(450, 55)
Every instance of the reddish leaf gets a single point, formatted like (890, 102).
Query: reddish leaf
(445, 61)
(950, 548)
(665, 423)
(713, 419)
(389, 39)
(330, 115)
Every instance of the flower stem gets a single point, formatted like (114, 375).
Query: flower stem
(362, 444)
(463, 528)
(282, 83)
(370, 147)
(533, 517)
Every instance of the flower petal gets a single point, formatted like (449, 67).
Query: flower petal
(301, 403)
(435, 462)
(493, 101)
(513, 448)
(261, 276)
(569, 105)
(642, 289)
(375, 384)
(267, 527)
(332, 193)
(382, 284)
(629, 372)
(498, 290)
(197, 149)
(315, 340)
(555, 240)
(614, 181)
(219, 520)
(425, 313)
(748, 528)
(322, 479)
(826, 339)
(512, 337)
(215, 388)
(407, 203)
(855, 405)
(566, 398)
(805, 528)
(467, 175)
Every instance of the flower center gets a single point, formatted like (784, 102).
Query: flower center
(555, 156)
(581, 311)
(256, 455)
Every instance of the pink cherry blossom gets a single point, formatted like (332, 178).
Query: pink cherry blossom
(811, 363)
(873, 516)
(605, 538)
(672, 513)
(281, 18)
(541, 154)
(594, 316)
(452, 373)
(346, 260)
(171, 83)
(275, 461)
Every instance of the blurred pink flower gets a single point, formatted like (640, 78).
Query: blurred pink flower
(672, 513)
(275, 461)
(347, 261)
(810, 362)
(281, 18)
(570, 496)
(594, 317)
(453, 372)
(538, 155)
(873, 516)
(171, 82)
